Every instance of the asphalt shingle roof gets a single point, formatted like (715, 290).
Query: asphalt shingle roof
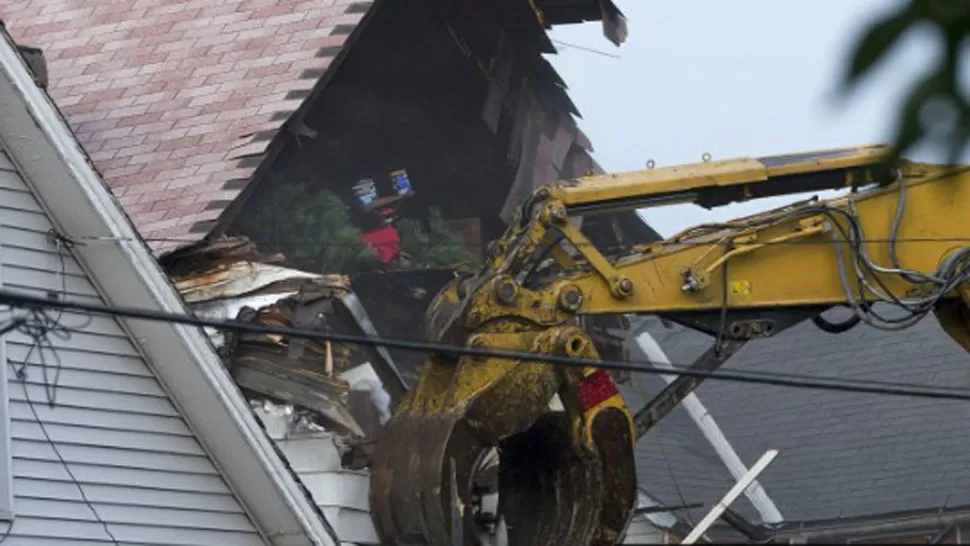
(843, 454)
(176, 101)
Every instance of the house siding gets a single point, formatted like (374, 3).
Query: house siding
(341, 494)
(118, 437)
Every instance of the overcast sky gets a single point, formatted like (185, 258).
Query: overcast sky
(738, 78)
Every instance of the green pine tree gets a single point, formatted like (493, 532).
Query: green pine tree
(435, 247)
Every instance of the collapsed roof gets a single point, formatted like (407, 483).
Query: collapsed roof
(184, 105)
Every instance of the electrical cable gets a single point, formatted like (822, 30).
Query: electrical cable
(580, 245)
(38, 328)
(776, 379)
(57, 452)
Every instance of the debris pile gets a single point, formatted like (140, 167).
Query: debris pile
(347, 389)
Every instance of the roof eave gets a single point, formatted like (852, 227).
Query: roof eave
(60, 173)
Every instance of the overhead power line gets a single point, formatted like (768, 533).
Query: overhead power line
(687, 243)
(19, 300)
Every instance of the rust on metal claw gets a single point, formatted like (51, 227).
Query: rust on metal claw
(416, 508)
(564, 477)
(550, 493)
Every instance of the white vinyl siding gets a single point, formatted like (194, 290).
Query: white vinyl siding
(340, 494)
(122, 442)
(6, 458)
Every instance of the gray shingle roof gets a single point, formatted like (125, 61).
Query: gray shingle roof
(843, 454)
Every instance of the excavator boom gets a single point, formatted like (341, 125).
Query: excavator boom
(899, 239)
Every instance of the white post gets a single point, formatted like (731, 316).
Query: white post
(708, 426)
(731, 496)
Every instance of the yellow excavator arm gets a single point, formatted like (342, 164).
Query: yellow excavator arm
(898, 240)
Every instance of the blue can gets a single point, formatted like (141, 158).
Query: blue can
(401, 182)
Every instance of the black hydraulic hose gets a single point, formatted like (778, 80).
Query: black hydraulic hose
(830, 327)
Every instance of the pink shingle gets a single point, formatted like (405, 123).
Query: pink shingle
(170, 94)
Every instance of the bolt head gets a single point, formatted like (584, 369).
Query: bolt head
(506, 291)
(571, 299)
(626, 285)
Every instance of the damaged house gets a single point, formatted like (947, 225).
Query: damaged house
(113, 430)
(218, 125)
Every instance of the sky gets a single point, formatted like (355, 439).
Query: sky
(740, 78)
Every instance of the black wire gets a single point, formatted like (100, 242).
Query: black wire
(641, 366)
(50, 441)
(776, 379)
(39, 327)
(482, 246)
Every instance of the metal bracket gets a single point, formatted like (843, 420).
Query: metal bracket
(662, 404)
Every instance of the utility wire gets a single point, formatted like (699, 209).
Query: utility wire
(38, 328)
(633, 365)
(722, 242)
(821, 383)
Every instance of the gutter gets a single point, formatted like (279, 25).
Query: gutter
(705, 422)
(874, 526)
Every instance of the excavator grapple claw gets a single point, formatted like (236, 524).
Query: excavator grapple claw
(559, 481)
(418, 485)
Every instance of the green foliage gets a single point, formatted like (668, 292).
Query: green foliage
(435, 247)
(934, 99)
(312, 228)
